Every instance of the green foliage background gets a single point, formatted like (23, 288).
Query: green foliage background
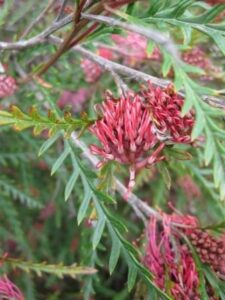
(37, 171)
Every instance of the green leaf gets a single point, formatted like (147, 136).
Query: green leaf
(5, 8)
(209, 147)
(165, 174)
(167, 64)
(189, 99)
(217, 171)
(132, 275)
(15, 193)
(208, 15)
(70, 184)
(214, 281)
(98, 231)
(84, 206)
(178, 78)
(180, 8)
(59, 270)
(60, 160)
(219, 40)
(115, 252)
(156, 5)
(187, 31)
(49, 143)
(199, 125)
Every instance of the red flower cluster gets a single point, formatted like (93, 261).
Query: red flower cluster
(170, 261)
(126, 134)
(197, 57)
(133, 48)
(165, 106)
(210, 249)
(134, 128)
(8, 290)
(7, 86)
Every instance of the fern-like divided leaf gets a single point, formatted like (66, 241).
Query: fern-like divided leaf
(181, 17)
(115, 227)
(14, 224)
(35, 120)
(58, 270)
(207, 119)
(16, 194)
(105, 219)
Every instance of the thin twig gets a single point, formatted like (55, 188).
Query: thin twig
(46, 36)
(116, 67)
(121, 85)
(38, 19)
(38, 39)
(152, 34)
(64, 2)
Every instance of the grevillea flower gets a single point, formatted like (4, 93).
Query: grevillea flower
(126, 134)
(9, 291)
(133, 48)
(134, 129)
(7, 86)
(165, 106)
(75, 99)
(170, 261)
(197, 57)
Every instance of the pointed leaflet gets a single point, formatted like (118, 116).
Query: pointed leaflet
(188, 103)
(49, 143)
(60, 160)
(100, 225)
(167, 64)
(156, 5)
(214, 282)
(199, 123)
(84, 206)
(209, 15)
(187, 31)
(180, 8)
(217, 170)
(218, 39)
(209, 147)
(70, 184)
(132, 275)
(115, 251)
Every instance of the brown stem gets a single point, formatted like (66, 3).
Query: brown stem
(77, 27)
(82, 36)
